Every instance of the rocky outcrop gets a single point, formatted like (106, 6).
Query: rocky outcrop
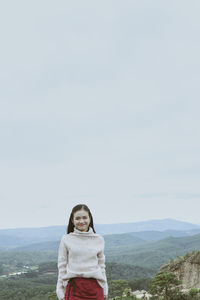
(187, 270)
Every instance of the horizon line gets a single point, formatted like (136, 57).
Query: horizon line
(61, 225)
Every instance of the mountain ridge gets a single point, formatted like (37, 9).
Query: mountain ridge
(147, 230)
(151, 221)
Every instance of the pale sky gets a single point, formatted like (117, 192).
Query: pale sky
(99, 104)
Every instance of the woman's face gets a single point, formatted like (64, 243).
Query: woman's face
(81, 220)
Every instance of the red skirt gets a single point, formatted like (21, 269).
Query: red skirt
(79, 288)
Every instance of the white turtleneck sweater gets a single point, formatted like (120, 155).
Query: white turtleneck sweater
(81, 254)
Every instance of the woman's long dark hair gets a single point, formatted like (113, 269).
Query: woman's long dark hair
(70, 227)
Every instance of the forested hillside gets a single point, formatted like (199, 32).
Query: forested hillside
(123, 249)
(148, 230)
(132, 259)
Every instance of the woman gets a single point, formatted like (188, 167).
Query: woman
(81, 260)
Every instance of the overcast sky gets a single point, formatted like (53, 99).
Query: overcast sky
(99, 104)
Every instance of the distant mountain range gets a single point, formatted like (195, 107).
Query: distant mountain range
(142, 252)
(155, 225)
(151, 254)
(140, 232)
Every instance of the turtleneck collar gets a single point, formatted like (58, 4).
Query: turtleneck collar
(89, 232)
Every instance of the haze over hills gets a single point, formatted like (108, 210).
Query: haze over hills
(151, 225)
(121, 249)
(151, 254)
(147, 231)
(142, 252)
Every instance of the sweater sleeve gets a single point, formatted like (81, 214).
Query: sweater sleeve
(62, 269)
(101, 262)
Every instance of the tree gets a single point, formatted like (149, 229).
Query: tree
(52, 296)
(194, 293)
(140, 284)
(118, 287)
(46, 266)
(132, 297)
(165, 284)
(1, 269)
